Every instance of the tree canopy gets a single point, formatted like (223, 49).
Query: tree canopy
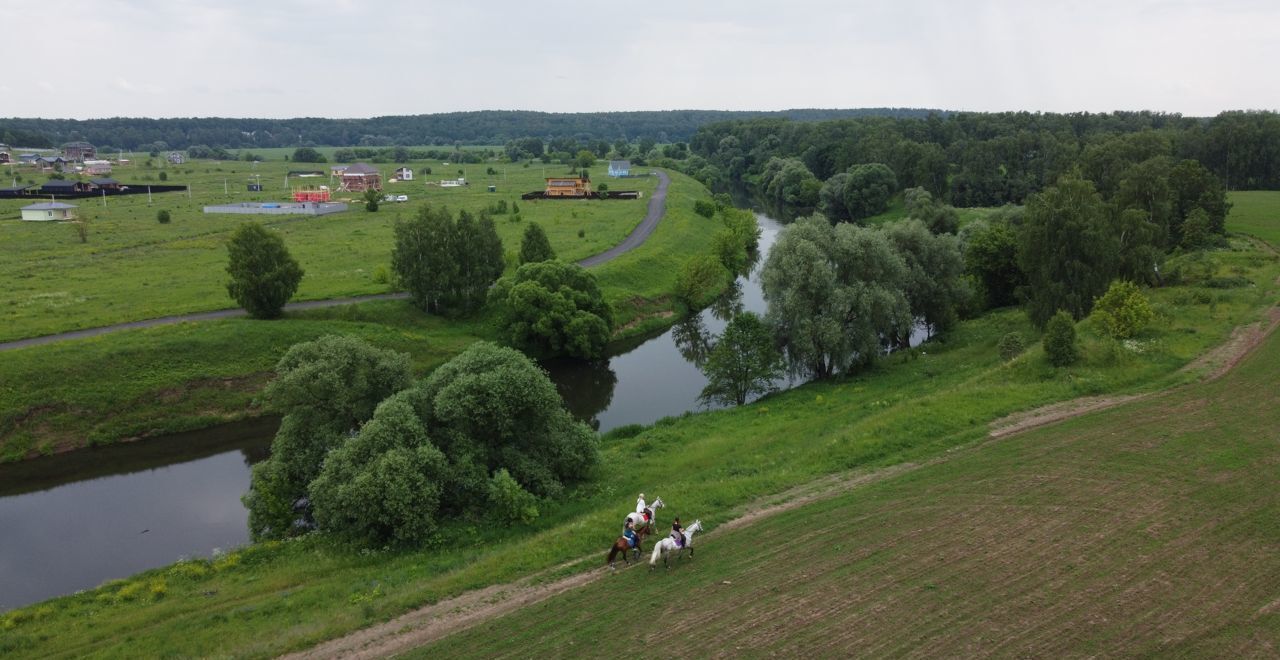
(264, 276)
(534, 246)
(447, 265)
(553, 308)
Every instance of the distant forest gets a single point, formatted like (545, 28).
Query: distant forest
(484, 127)
(981, 159)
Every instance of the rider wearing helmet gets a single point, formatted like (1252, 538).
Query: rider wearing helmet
(629, 533)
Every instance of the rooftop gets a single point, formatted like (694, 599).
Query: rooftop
(48, 206)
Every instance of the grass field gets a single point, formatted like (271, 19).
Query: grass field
(914, 406)
(1255, 212)
(1146, 529)
(149, 382)
(133, 268)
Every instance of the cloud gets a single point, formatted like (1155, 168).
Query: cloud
(342, 59)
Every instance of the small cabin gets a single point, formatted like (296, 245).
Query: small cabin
(176, 158)
(619, 168)
(361, 177)
(404, 174)
(105, 184)
(568, 187)
(6, 154)
(48, 211)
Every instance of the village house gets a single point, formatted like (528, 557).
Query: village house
(176, 158)
(96, 167)
(79, 151)
(64, 187)
(360, 177)
(619, 168)
(105, 184)
(404, 174)
(50, 162)
(28, 159)
(6, 154)
(568, 187)
(47, 211)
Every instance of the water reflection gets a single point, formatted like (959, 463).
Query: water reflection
(586, 387)
(74, 521)
(660, 376)
(692, 339)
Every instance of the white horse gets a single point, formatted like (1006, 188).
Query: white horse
(668, 546)
(637, 518)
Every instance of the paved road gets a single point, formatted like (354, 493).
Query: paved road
(657, 207)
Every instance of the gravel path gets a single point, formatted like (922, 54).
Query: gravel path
(657, 208)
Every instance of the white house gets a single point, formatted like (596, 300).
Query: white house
(404, 174)
(176, 158)
(46, 211)
(619, 168)
(97, 167)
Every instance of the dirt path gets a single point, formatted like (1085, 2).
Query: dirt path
(1213, 365)
(656, 210)
(434, 622)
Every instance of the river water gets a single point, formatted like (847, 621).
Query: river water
(72, 522)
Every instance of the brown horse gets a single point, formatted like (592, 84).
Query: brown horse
(621, 546)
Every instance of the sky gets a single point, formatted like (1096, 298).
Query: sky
(347, 58)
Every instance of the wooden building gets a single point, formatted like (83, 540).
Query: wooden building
(568, 187)
(105, 184)
(6, 154)
(404, 174)
(79, 151)
(361, 177)
(64, 187)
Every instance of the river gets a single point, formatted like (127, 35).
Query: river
(73, 521)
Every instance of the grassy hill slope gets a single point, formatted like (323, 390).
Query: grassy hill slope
(1147, 528)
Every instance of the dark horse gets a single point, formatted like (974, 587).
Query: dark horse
(621, 547)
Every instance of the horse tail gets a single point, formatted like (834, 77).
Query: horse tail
(657, 552)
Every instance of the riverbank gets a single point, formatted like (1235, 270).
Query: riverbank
(276, 597)
(148, 382)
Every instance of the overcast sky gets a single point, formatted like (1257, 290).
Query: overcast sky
(350, 58)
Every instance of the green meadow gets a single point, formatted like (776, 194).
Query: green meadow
(913, 406)
(132, 267)
(146, 382)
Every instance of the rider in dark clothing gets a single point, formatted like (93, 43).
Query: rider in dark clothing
(677, 533)
(630, 533)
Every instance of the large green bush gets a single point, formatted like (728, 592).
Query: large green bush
(700, 280)
(1123, 311)
(1060, 339)
(326, 389)
(553, 308)
(383, 485)
(264, 276)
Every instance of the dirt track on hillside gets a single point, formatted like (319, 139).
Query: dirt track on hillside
(442, 619)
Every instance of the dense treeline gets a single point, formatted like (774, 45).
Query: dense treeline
(483, 127)
(976, 159)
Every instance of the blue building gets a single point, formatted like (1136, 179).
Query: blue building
(619, 168)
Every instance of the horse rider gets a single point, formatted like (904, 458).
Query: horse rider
(629, 533)
(677, 533)
(643, 510)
